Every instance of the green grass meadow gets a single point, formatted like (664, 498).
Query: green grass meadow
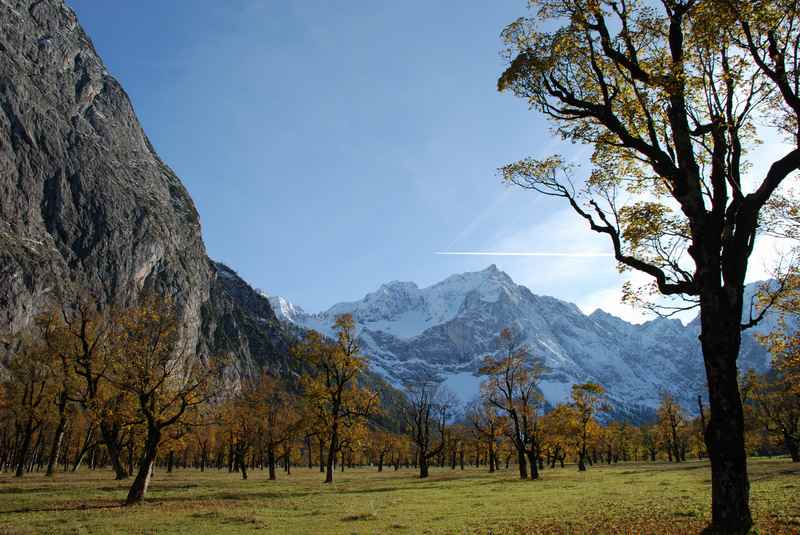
(624, 498)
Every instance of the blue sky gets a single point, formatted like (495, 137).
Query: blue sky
(334, 146)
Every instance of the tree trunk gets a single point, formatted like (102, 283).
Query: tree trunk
(423, 467)
(243, 466)
(533, 465)
(138, 489)
(523, 465)
(721, 338)
(35, 459)
(271, 462)
(582, 460)
(110, 433)
(84, 450)
(331, 458)
(22, 454)
(793, 447)
(58, 437)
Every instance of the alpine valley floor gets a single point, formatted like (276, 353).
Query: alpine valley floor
(625, 498)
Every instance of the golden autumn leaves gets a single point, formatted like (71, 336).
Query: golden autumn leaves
(335, 401)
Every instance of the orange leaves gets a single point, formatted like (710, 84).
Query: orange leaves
(331, 391)
(150, 362)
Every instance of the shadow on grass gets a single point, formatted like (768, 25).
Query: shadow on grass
(371, 491)
(759, 476)
(27, 490)
(156, 501)
(79, 507)
(162, 487)
(231, 497)
(675, 467)
(357, 517)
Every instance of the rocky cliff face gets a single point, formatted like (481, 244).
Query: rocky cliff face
(86, 204)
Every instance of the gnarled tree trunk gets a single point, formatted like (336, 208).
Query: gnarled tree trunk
(139, 487)
(522, 464)
(721, 339)
(110, 433)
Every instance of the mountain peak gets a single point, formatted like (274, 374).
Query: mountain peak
(402, 286)
(440, 332)
(283, 308)
(493, 272)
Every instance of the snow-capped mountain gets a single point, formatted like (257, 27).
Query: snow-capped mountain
(443, 331)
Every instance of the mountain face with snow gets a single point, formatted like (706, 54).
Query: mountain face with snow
(442, 332)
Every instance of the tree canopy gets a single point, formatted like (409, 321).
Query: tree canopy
(674, 97)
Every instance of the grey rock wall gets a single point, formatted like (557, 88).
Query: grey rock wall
(88, 207)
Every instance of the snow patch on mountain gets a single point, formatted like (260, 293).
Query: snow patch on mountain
(442, 332)
(283, 308)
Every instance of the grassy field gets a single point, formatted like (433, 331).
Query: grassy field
(626, 498)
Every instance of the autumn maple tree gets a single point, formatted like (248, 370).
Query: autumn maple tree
(488, 425)
(26, 393)
(511, 385)
(673, 96)
(427, 415)
(332, 391)
(776, 395)
(152, 364)
(79, 334)
(587, 402)
(672, 422)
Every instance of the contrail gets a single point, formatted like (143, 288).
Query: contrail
(503, 253)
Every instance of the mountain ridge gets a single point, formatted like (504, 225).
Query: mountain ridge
(443, 330)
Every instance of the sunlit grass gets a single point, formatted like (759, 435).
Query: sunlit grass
(626, 498)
